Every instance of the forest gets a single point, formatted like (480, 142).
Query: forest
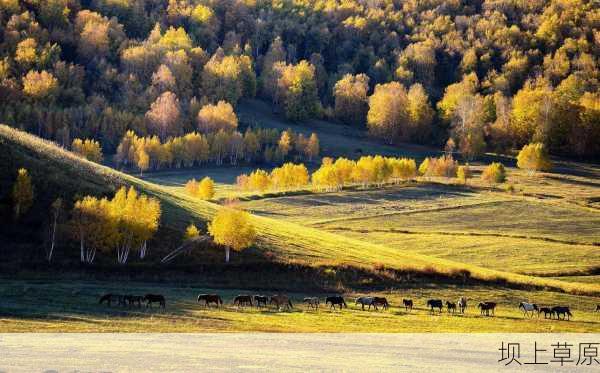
(474, 76)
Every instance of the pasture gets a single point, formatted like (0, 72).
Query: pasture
(61, 306)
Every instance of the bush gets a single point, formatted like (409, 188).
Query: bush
(494, 173)
(533, 157)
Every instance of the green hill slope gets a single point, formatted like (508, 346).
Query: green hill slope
(57, 171)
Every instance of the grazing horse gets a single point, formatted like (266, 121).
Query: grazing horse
(408, 304)
(261, 300)
(109, 298)
(132, 299)
(462, 304)
(242, 300)
(562, 310)
(381, 301)
(281, 300)
(155, 298)
(313, 302)
(451, 306)
(435, 303)
(547, 311)
(364, 301)
(210, 298)
(598, 308)
(336, 300)
(529, 308)
(486, 307)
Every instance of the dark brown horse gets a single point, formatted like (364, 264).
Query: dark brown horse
(155, 298)
(133, 299)
(242, 300)
(486, 307)
(336, 300)
(435, 303)
(381, 301)
(547, 311)
(408, 304)
(562, 310)
(451, 306)
(261, 300)
(210, 298)
(598, 308)
(110, 298)
(281, 301)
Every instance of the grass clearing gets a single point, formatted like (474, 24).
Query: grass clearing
(73, 307)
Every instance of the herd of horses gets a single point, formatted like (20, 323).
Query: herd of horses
(283, 302)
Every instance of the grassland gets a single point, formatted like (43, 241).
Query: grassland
(72, 307)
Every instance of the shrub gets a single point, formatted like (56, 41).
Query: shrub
(494, 173)
(534, 157)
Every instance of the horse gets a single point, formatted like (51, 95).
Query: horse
(598, 308)
(155, 298)
(487, 307)
(261, 300)
(435, 303)
(132, 299)
(336, 300)
(381, 301)
(528, 307)
(562, 310)
(462, 304)
(242, 300)
(547, 311)
(281, 300)
(451, 306)
(312, 302)
(364, 301)
(210, 298)
(109, 298)
(408, 304)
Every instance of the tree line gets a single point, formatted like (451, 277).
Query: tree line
(489, 75)
(232, 147)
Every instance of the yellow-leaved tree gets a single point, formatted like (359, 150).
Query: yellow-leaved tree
(534, 157)
(206, 188)
(233, 229)
(22, 193)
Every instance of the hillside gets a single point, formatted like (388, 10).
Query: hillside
(285, 241)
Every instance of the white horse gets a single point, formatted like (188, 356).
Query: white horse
(365, 301)
(527, 308)
(462, 304)
(313, 302)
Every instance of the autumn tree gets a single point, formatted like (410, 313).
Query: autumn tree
(213, 118)
(297, 90)
(164, 115)
(89, 149)
(312, 147)
(206, 188)
(534, 157)
(388, 116)
(351, 100)
(22, 193)
(494, 173)
(191, 232)
(233, 229)
(463, 173)
(420, 114)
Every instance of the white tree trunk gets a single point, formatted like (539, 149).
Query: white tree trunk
(227, 254)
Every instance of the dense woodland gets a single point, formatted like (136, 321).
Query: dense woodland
(473, 75)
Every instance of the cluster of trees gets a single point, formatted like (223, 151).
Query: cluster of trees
(233, 229)
(118, 225)
(287, 177)
(205, 189)
(490, 75)
(254, 146)
(89, 149)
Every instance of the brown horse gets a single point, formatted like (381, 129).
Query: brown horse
(281, 300)
(435, 303)
(210, 298)
(598, 308)
(408, 304)
(155, 298)
(336, 300)
(562, 310)
(486, 307)
(547, 311)
(242, 300)
(261, 300)
(381, 301)
(110, 298)
(451, 307)
(312, 302)
(133, 299)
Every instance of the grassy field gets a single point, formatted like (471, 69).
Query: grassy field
(72, 307)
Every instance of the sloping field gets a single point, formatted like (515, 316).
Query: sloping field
(285, 240)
